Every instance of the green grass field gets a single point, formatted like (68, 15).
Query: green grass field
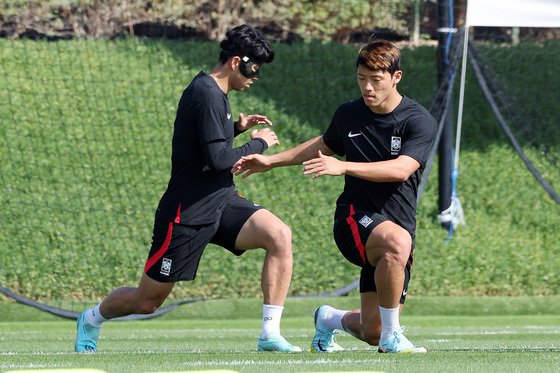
(85, 139)
(462, 334)
(85, 133)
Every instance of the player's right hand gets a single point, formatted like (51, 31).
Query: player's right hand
(250, 164)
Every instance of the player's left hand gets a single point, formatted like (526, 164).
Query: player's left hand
(324, 165)
(249, 121)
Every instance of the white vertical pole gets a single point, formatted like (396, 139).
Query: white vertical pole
(461, 97)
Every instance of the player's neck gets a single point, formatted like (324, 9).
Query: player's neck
(388, 105)
(221, 76)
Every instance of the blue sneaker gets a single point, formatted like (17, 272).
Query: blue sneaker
(324, 340)
(397, 343)
(276, 342)
(86, 339)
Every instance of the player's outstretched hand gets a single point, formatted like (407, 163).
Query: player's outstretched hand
(267, 135)
(323, 165)
(250, 164)
(249, 121)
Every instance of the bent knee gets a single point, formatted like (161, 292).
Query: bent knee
(280, 237)
(398, 249)
(149, 306)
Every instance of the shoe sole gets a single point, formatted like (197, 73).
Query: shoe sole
(291, 348)
(260, 349)
(414, 351)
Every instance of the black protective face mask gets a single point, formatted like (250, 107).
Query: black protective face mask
(246, 68)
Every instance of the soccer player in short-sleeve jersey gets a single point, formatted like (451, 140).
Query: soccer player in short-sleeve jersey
(383, 139)
(201, 205)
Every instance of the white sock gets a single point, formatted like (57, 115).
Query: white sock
(332, 318)
(271, 320)
(389, 321)
(94, 318)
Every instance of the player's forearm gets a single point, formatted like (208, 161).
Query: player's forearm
(298, 154)
(219, 156)
(379, 172)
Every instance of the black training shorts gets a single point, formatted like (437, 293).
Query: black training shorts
(351, 232)
(177, 247)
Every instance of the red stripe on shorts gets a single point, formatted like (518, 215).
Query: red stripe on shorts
(157, 256)
(354, 227)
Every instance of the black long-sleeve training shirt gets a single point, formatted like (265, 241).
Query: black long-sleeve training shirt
(202, 154)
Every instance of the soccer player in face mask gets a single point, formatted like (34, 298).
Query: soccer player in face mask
(201, 205)
(385, 138)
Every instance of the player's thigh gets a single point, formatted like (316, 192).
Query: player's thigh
(388, 237)
(245, 225)
(176, 250)
(263, 230)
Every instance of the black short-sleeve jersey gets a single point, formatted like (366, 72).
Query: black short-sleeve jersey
(364, 136)
(202, 154)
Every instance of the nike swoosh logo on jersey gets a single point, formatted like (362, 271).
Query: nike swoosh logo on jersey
(228, 116)
(350, 134)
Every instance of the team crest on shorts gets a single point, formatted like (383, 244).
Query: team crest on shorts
(365, 221)
(165, 267)
(395, 145)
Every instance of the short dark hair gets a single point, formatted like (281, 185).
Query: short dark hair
(380, 55)
(246, 41)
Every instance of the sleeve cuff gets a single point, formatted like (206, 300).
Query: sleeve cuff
(264, 144)
(236, 131)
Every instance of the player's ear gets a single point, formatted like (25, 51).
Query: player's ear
(397, 76)
(234, 62)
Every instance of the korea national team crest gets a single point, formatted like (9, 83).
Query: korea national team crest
(165, 267)
(365, 221)
(395, 145)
